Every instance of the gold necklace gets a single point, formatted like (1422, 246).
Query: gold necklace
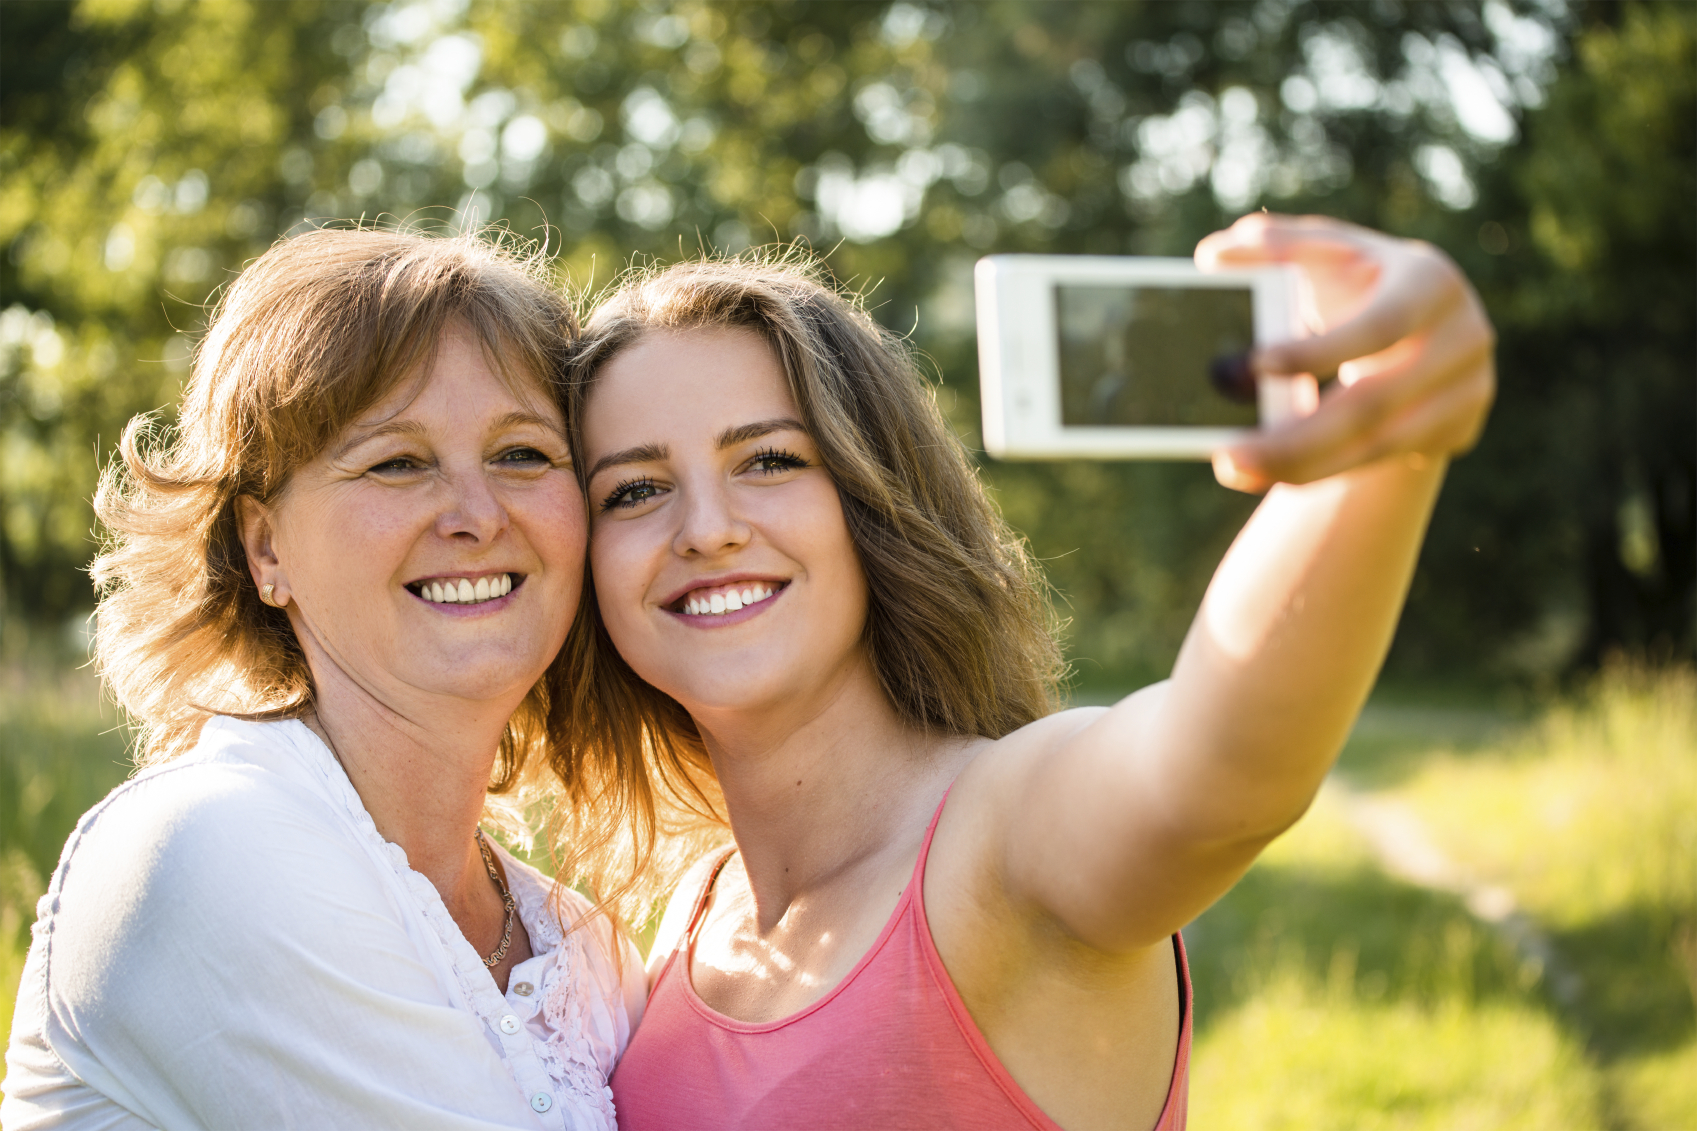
(507, 901)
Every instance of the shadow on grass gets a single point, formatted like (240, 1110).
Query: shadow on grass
(1357, 931)
(1635, 998)
(1392, 741)
(1372, 938)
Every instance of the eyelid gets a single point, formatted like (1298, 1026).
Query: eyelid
(615, 498)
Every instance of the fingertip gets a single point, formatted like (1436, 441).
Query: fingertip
(1234, 471)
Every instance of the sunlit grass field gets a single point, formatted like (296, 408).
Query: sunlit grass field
(1330, 993)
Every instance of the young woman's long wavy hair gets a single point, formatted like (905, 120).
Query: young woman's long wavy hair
(959, 628)
(311, 335)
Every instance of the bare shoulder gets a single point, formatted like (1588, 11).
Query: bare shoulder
(675, 922)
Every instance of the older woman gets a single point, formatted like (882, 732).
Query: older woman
(331, 598)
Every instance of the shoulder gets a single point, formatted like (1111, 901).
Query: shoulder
(228, 807)
(233, 847)
(680, 909)
(1003, 769)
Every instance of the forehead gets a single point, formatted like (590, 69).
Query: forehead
(685, 382)
(462, 370)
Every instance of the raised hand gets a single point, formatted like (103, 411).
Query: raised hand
(1398, 324)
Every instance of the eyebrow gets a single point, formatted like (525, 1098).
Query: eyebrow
(743, 433)
(738, 434)
(413, 428)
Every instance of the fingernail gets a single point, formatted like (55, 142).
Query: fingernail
(1233, 377)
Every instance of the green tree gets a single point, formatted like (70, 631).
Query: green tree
(148, 149)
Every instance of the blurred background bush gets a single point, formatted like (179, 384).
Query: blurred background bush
(148, 148)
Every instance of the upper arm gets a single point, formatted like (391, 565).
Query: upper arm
(1078, 821)
(223, 955)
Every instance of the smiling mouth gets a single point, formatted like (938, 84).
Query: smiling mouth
(464, 590)
(717, 600)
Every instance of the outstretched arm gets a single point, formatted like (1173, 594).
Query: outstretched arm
(1125, 823)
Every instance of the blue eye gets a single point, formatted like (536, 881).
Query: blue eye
(631, 493)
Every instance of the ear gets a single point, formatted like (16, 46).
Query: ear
(259, 529)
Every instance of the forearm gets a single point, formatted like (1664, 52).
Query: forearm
(1287, 644)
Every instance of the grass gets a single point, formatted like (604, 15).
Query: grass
(1332, 995)
(1329, 994)
(61, 750)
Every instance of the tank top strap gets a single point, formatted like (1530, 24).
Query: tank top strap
(695, 915)
(917, 883)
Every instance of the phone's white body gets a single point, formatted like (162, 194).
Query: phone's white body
(1019, 360)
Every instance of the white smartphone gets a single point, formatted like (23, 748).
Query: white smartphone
(1127, 357)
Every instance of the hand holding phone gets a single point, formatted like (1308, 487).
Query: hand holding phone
(1395, 320)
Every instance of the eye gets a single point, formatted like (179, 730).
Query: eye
(396, 465)
(523, 457)
(771, 461)
(631, 493)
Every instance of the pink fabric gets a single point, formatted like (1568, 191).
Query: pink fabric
(892, 1046)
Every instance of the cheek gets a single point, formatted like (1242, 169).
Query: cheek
(617, 552)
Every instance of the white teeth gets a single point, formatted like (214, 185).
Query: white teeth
(717, 604)
(462, 591)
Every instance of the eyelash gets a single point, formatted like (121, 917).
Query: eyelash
(787, 461)
(620, 495)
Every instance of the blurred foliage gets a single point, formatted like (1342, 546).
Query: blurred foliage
(149, 147)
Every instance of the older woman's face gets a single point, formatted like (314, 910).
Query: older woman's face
(436, 547)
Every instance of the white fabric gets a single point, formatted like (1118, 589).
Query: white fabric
(229, 943)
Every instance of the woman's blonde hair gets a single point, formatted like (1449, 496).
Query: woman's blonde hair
(312, 334)
(959, 629)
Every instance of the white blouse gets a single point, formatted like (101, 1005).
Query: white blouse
(228, 942)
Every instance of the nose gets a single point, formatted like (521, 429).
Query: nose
(474, 513)
(710, 524)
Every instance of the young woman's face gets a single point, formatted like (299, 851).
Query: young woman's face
(437, 545)
(723, 564)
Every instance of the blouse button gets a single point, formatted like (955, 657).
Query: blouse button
(523, 989)
(509, 1024)
(541, 1101)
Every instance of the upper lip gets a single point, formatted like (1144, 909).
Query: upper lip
(721, 579)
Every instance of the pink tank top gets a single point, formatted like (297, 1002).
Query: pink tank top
(892, 1046)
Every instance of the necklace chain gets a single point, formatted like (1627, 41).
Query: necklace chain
(507, 901)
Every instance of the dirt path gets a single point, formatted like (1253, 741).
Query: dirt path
(1405, 849)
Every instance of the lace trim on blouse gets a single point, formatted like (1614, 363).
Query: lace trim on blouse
(568, 1055)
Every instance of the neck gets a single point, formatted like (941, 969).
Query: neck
(420, 768)
(814, 789)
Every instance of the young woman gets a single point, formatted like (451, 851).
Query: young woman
(948, 904)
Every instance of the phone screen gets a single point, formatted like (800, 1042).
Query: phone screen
(1139, 356)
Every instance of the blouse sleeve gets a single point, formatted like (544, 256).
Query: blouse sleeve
(219, 953)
